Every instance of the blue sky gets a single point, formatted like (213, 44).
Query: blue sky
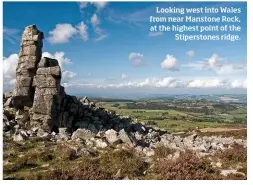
(107, 47)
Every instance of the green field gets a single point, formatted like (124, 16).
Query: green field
(178, 121)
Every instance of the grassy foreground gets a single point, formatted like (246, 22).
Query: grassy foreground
(41, 159)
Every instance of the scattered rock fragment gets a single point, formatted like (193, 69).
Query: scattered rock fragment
(20, 135)
(82, 134)
(112, 136)
(227, 172)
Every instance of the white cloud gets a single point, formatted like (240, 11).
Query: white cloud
(170, 82)
(213, 61)
(218, 65)
(95, 20)
(199, 65)
(67, 76)
(62, 33)
(204, 83)
(190, 53)
(136, 59)
(135, 55)
(167, 82)
(98, 5)
(10, 34)
(170, 63)
(226, 69)
(155, 34)
(239, 84)
(100, 32)
(9, 71)
(9, 66)
(101, 37)
(83, 4)
(83, 30)
(124, 76)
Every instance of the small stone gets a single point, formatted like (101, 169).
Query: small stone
(100, 134)
(35, 129)
(138, 136)
(100, 143)
(148, 152)
(45, 165)
(139, 149)
(18, 137)
(83, 152)
(125, 138)
(176, 155)
(126, 178)
(170, 156)
(218, 164)
(82, 134)
(42, 133)
(111, 136)
(227, 172)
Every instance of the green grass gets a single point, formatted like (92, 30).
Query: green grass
(180, 125)
(175, 121)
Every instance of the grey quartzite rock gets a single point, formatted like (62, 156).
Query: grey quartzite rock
(29, 57)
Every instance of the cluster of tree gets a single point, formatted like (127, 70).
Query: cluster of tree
(183, 106)
(225, 106)
(164, 106)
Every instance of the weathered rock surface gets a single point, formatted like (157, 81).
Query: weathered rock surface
(82, 134)
(48, 95)
(20, 135)
(111, 136)
(29, 56)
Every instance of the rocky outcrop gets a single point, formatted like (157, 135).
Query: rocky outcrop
(48, 95)
(29, 56)
(39, 107)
